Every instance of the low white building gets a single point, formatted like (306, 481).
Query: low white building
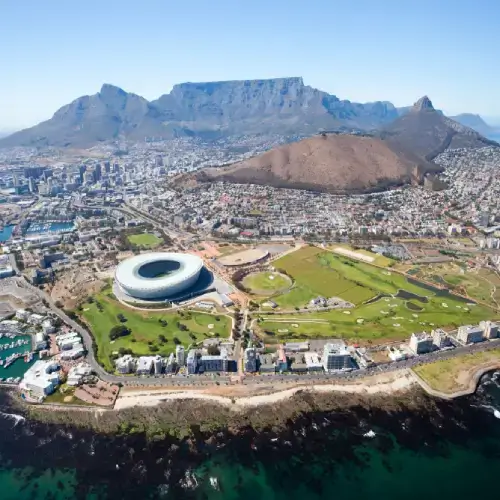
(41, 379)
(22, 314)
(77, 352)
(125, 364)
(40, 341)
(48, 327)
(35, 319)
(77, 373)
(313, 362)
(470, 334)
(145, 365)
(421, 343)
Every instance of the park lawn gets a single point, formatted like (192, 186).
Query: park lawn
(384, 320)
(146, 240)
(262, 284)
(145, 327)
(455, 374)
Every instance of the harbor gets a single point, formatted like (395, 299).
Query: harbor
(15, 357)
(50, 227)
(6, 233)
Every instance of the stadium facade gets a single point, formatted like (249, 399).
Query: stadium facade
(158, 275)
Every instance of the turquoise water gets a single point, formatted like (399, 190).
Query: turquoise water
(6, 233)
(451, 452)
(18, 367)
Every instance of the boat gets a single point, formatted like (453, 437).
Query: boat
(214, 482)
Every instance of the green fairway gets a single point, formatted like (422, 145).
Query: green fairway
(145, 240)
(266, 282)
(407, 307)
(318, 272)
(145, 328)
(386, 319)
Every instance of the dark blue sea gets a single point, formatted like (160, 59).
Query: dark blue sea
(451, 452)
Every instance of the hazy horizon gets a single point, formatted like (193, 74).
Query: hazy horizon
(56, 52)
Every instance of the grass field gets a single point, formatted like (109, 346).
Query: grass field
(145, 240)
(318, 272)
(266, 282)
(146, 328)
(479, 284)
(393, 316)
(384, 320)
(455, 374)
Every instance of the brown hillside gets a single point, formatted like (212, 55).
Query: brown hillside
(334, 163)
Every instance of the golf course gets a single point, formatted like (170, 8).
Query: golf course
(387, 305)
(151, 332)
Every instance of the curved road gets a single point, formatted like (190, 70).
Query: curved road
(290, 377)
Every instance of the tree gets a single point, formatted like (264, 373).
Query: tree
(213, 350)
(58, 304)
(176, 341)
(162, 338)
(118, 331)
(183, 328)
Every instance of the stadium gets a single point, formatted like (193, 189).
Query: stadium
(158, 275)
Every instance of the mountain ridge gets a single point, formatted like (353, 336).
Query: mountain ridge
(207, 109)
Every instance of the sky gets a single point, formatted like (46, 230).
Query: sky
(54, 51)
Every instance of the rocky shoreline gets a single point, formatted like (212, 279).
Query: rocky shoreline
(150, 448)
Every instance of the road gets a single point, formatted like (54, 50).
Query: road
(255, 379)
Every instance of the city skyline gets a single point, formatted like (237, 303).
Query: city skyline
(57, 52)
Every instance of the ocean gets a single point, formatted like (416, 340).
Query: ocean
(452, 452)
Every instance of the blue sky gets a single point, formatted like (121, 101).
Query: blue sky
(54, 51)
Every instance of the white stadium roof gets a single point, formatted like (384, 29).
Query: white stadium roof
(169, 274)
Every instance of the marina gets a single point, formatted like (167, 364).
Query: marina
(6, 233)
(50, 227)
(15, 357)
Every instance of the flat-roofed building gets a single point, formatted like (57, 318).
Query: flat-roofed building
(250, 360)
(421, 343)
(297, 346)
(336, 357)
(41, 379)
(266, 363)
(180, 355)
(490, 329)
(125, 364)
(218, 363)
(192, 362)
(313, 363)
(170, 364)
(469, 334)
(440, 338)
(145, 365)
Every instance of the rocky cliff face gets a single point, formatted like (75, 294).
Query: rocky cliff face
(213, 109)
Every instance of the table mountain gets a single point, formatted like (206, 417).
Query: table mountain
(209, 110)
